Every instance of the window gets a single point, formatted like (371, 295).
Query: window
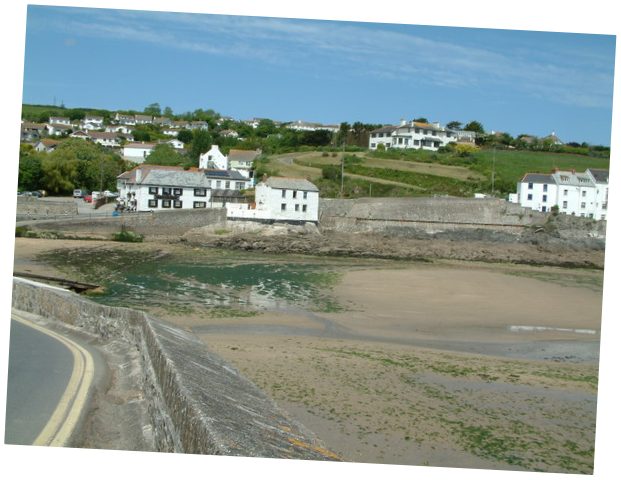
(530, 196)
(584, 193)
(227, 185)
(239, 186)
(178, 204)
(200, 192)
(305, 195)
(166, 190)
(283, 207)
(565, 204)
(545, 199)
(178, 191)
(583, 205)
(295, 194)
(304, 208)
(530, 186)
(166, 203)
(153, 190)
(545, 187)
(152, 203)
(200, 204)
(297, 207)
(218, 183)
(565, 192)
(284, 194)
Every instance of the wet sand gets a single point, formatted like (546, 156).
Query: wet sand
(452, 364)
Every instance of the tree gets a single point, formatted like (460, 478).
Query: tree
(201, 143)
(474, 126)
(421, 120)
(266, 127)
(454, 125)
(165, 154)
(153, 109)
(30, 170)
(185, 136)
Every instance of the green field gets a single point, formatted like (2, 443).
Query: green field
(424, 173)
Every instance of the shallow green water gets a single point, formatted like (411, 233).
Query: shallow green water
(242, 286)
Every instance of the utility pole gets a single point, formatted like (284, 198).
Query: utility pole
(342, 168)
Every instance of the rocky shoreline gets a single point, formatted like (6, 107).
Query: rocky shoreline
(531, 248)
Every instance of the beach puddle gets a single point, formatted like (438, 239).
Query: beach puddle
(211, 285)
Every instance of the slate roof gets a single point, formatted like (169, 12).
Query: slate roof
(600, 176)
(537, 178)
(286, 183)
(166, 176)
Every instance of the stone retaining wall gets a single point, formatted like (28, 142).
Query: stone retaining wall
(198, 402)
(430, 214)
(153, 225)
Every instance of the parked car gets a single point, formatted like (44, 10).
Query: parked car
(78, 193)
(88, 198)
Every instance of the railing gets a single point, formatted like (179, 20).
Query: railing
(22, 217)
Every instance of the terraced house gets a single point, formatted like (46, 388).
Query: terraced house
(583, 194)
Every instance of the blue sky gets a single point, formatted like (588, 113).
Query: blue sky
(321, 70)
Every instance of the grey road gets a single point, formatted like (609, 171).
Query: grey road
(48, 385)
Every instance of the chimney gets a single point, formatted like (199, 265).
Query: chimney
(403, 121)
(138, 175)
(555, 169)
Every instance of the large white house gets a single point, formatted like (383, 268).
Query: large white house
(583, 194)
(290, 200)
(150, 187)
(428, 136)
(156, 187)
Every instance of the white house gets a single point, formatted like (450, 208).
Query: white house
(291, 200)
(107, 139)
(150, 187)
(242, 160)
(428, 136)
(58, 128)
(137, 151)
(227, 180)
(175, 143)
(573, 193)
(46, 145)
(122, 119)
(59, 121)
(124, 129)
(213, 159)
(94, 120)
(143, 119)
(304, 126)
(239, 160)
(537, 191)
(171, 131)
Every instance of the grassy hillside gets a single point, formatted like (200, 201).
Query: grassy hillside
(422, 173)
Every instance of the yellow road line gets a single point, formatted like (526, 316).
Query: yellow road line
(67, 414)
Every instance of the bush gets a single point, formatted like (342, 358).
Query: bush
(127, 236)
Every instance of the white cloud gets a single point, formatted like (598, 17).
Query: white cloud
(373, 50)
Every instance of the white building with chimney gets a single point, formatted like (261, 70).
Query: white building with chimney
(280, 199)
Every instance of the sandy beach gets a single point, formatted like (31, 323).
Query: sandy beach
(453, 364)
